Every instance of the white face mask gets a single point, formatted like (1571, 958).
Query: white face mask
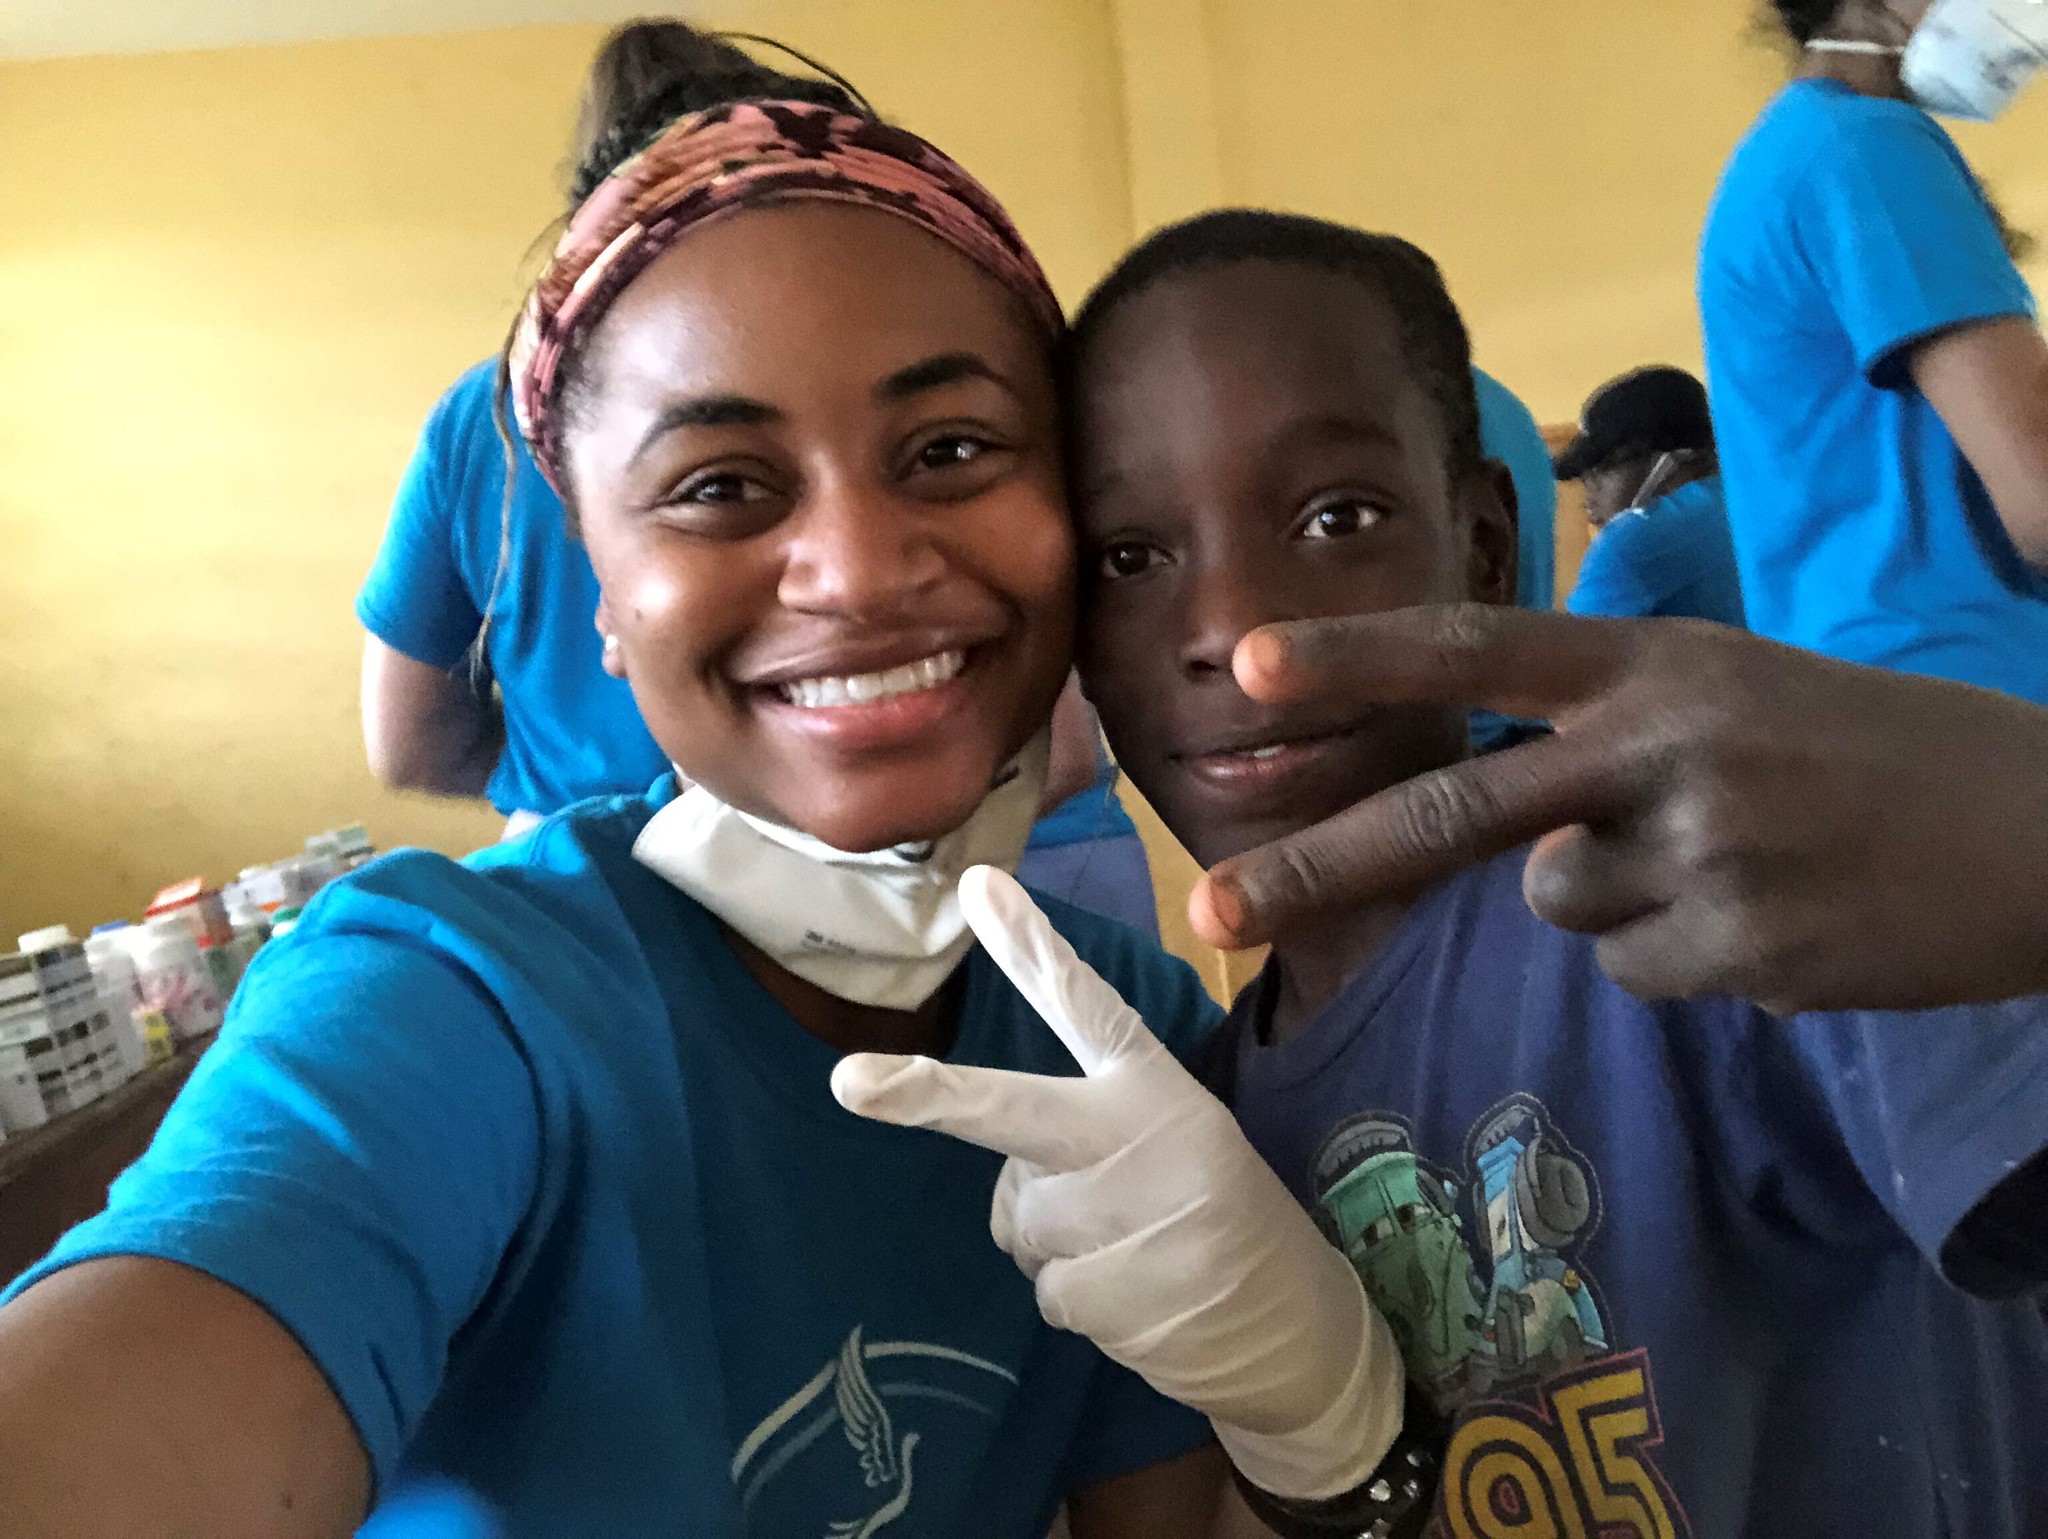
(879, 929)
(1967, 58)
(1970, 58)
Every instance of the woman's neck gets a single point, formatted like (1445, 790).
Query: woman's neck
(1865, 74)
(847, 1027)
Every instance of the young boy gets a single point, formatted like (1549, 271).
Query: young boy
(1672, 1269)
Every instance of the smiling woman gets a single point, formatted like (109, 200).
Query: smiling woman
(770, 537)
(526, 1172)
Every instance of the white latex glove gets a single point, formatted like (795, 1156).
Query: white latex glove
(1151, 1226)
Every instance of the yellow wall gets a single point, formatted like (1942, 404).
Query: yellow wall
(1557, 159)
(231, 284)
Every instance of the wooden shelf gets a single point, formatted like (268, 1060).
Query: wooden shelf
(57, 1175)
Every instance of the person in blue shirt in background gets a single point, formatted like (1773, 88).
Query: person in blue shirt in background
(483, 670)
(1509, 432)
(1644, 457)
(1509, 435)
(521, 712)
(1086, 850)
(1879, 383)
(1783, 1262)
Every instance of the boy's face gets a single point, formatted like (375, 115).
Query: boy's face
(1251, 446)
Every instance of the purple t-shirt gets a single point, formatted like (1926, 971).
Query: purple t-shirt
(1676, 1269)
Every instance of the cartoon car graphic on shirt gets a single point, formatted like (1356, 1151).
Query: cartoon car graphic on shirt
(1540, 1316)
(1398, 1224)
(1468, 1318)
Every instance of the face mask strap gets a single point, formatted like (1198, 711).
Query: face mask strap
(1666, 461)
(1864, 47)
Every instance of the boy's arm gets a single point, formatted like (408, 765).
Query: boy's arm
(1945, 1114)
(2003, 1242)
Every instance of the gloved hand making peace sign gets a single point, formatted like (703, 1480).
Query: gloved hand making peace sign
(1151, 1226)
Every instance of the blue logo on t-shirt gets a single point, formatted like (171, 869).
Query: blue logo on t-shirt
(919, 1377)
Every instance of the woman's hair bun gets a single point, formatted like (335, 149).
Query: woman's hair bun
(1805, 19)
(649, 73)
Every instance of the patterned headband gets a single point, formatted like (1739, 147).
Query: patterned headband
(718, 162)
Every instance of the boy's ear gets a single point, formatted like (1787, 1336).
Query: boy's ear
(1491, 511)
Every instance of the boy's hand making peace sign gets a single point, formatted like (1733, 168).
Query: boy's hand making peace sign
(1727, 814)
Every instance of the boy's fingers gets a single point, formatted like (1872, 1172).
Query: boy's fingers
(1035, 1117)
(1083, 1010)
(1513, 660)
(1577, 879)
(1411, 835)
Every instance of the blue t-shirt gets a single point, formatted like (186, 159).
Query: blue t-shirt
(1846, 229)
(1668, 1265)
(1508, 432)
(559, 1200)
(1671, 558)
(571, 730)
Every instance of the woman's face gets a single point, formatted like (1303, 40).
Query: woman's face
(814, 460)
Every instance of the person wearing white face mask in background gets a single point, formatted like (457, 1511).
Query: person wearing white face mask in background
(1879, 382)
(1644, 457)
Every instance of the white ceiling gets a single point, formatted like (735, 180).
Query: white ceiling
(43, 29)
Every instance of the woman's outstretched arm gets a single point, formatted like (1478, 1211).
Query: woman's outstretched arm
(142, 1398)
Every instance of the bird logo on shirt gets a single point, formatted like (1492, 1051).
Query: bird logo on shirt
(865, 1420)
(794, 1477)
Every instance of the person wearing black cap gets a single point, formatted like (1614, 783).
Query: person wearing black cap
(1645, 458)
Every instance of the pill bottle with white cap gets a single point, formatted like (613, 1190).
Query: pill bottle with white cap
(121, 987)
(177, 978)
